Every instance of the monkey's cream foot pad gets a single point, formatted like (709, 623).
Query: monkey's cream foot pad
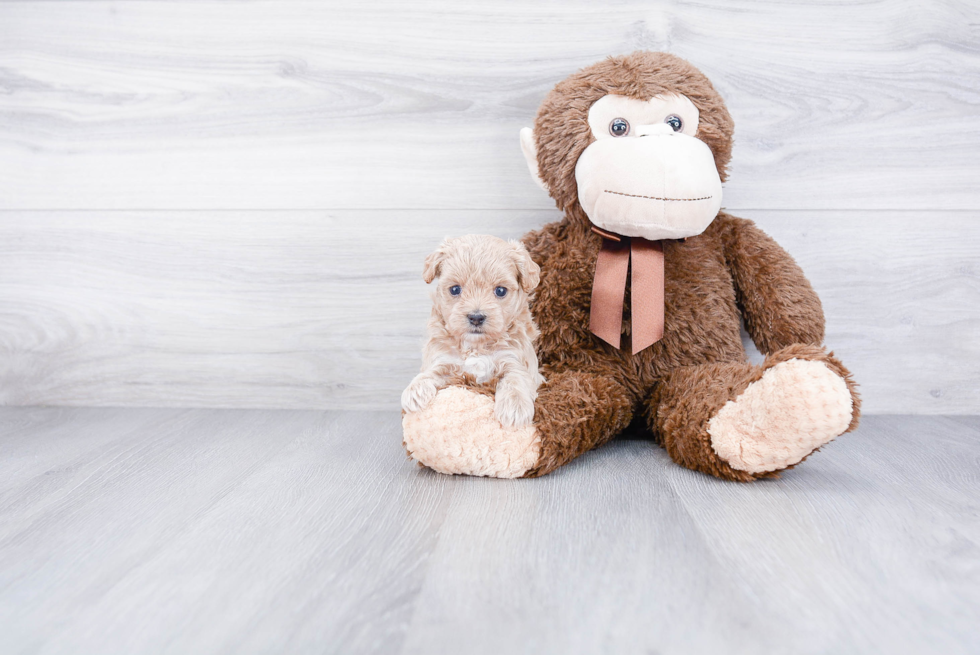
(797, 406)
(459, 434)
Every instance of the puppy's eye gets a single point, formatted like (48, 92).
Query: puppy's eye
(675, 122)
(455, 290)
(619, 127)
(500, 292)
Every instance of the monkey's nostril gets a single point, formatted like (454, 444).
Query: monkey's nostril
(476, 319)
(655, 129)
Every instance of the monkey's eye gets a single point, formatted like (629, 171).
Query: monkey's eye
(500, 292)
(619, 127)
(675, 122)
(454, 290)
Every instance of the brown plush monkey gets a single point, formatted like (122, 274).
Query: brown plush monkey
(633, 150)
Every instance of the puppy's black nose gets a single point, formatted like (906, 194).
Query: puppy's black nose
(476, 320)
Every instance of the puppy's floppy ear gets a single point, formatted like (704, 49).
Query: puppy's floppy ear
(528, 273)
(433, 262)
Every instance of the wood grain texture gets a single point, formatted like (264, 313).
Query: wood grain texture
(276, 171)
(246, 531)
(128, 544)
(308, 105)
(970, 420)
(327, 309)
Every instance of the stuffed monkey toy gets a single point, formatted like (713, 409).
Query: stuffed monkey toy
(644, 285)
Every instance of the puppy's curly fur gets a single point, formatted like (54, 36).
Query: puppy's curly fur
(481, 327)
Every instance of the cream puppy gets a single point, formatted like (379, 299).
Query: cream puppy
(481, 325)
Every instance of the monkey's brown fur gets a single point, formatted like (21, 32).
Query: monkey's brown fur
(732, 270)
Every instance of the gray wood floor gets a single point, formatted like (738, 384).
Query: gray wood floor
(186, 531)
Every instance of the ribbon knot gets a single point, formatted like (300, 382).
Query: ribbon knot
(644, 261)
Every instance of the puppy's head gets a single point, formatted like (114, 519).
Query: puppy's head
(483, 284)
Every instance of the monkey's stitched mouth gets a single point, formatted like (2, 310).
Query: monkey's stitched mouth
(633, 195)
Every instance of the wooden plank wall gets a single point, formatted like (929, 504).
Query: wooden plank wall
(227, 203)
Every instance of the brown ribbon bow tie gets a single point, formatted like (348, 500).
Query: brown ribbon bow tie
(646, 292)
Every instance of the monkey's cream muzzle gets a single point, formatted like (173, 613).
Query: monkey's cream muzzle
(659, 184)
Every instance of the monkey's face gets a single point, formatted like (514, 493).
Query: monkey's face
(638, 144)
(646, 174)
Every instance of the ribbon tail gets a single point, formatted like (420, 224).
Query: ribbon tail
(608, 291)
(647, 293)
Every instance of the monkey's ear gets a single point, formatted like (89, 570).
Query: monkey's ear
(433, 263)
(531, 155)
(528, 273)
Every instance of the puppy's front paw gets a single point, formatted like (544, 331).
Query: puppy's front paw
(512, 408)
(419, 394)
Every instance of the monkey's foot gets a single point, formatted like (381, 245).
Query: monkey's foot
(457, 433)
(798, 406)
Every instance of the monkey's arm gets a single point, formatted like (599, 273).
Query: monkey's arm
(778, 304)
(578, 409)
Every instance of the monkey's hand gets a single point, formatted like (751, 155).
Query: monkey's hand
(458, 433)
